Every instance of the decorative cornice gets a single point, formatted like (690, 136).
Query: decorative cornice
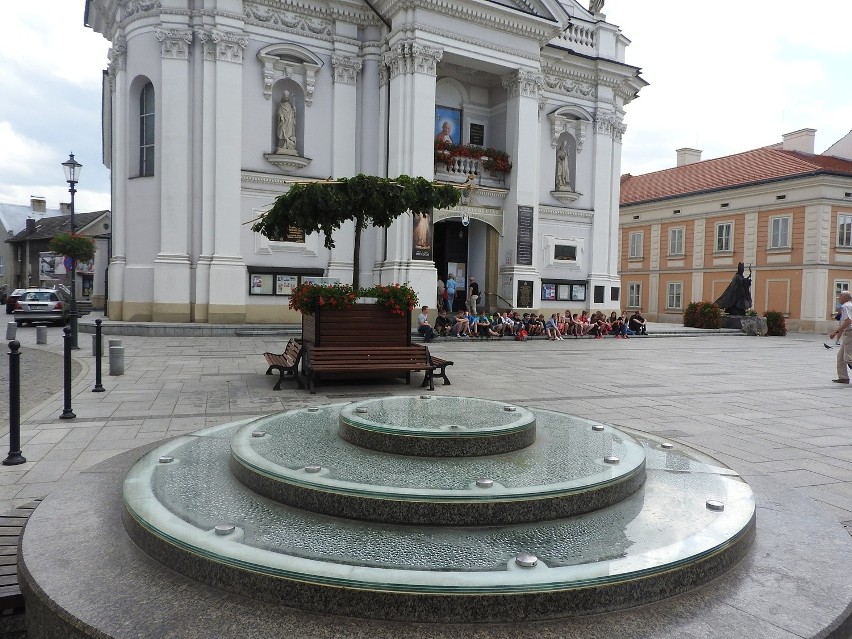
(567, 86)
(174, 43)
(117, 56)
(559, 213)
(132, 7)
(466, 39)
(346, 69)
(409, 57)
(524, 83)
(267, 16)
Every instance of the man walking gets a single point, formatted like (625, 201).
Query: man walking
(844, 355)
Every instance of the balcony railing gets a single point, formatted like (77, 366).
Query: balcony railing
(457, 162)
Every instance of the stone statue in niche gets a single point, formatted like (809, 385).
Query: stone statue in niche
(286, 126)
(596, 6)
(563, 171)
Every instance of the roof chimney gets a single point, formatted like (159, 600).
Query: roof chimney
(38, 204)
(688, 156)
(65, 208)
(801, 141)
(30, 225)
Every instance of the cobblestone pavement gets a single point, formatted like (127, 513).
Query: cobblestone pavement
(763, 406)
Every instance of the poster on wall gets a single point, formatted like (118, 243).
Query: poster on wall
(578, 292)
(447, 125)
(260, 284)
(421, 245)
(548, 292)
(284, 284)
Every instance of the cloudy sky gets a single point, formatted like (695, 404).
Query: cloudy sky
(725, 76)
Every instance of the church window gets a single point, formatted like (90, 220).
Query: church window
(146, 130)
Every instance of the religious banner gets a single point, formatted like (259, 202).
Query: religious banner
(421, 244)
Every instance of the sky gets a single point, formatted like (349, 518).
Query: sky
(725, 77)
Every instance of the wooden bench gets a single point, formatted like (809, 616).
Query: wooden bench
(285, 363)
(439, 365)
(11, 524)
(347, 362)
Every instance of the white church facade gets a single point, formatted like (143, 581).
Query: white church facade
(212, 108)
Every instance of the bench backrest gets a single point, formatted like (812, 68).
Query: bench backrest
(417, 355)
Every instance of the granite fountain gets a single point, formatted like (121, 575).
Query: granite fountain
(405, 516)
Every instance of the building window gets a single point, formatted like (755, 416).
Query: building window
(634, 295)
(674, 299)
(614, 293)
(635, 244)
(844, 231)
(565, 253)
(676, 241)
(779, 232)
(724, 232)
(146, 130)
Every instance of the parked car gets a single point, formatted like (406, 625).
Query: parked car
(12, 298)
(42, 305)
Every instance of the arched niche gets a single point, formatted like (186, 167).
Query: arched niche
(291, 62)
(569, 119)
(297, 99)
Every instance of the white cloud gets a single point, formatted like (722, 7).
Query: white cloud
(19, 155)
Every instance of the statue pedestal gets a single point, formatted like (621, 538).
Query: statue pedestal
(733, 321)
(565, 197)
(286, 162)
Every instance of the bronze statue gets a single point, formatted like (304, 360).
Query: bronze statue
(736, 299)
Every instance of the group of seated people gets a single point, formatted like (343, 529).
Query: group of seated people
(557, 327)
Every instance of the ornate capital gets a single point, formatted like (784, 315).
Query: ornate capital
(223, 45)
(174, 43)
(140, 6)
(523, 83)
(346, 70)
(117, 56)
(609, 123)
(410, 57)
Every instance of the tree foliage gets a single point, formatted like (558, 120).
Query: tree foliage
(78, 247)
(323, 207)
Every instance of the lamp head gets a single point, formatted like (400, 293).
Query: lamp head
(72, 170)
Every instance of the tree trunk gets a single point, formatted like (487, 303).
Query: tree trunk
(356, 256)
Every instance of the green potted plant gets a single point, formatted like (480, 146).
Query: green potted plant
(80, 248)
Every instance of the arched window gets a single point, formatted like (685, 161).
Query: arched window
(146, 130)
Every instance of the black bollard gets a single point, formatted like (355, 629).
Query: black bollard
(67, 413)
(14, 456)
(99, 349)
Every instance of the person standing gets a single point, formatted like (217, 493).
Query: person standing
(451, 292)
(441, 290)
(423, 326)
(472, 295)
(844, 355)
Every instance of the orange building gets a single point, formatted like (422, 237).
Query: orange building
(782, 210)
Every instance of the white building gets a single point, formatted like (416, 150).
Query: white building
(197, 148)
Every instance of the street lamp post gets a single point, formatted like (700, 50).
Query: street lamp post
(72, 176)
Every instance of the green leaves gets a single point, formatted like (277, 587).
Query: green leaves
(323, 207)
(79, 247)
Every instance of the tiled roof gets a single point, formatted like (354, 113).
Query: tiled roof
(46, 228)
(752, 167)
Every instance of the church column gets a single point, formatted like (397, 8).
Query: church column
(603, 264)
(411, 151)
(221, 134)
(520, 214)
(346, 67)
(171, 266)
(118, 167)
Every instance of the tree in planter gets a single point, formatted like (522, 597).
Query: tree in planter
(366, 199)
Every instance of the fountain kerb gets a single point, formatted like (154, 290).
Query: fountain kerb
(537, 515)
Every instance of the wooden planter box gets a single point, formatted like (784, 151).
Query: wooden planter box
(358, 325)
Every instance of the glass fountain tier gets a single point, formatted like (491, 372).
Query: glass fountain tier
(584, 519)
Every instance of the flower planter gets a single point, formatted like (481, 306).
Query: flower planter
(361, 325)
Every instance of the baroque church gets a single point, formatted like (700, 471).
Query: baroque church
(213, 108)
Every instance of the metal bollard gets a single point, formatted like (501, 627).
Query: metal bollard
(11, 330)
(68, 344)
(14, 456)
(97, 344)
(41, 334)
(116, 360)
(94, 347)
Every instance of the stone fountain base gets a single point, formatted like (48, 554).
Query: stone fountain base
(82, 576)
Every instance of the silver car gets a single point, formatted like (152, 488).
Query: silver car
(42, 305)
